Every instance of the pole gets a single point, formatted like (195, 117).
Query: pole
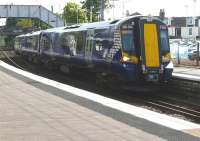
(77, 17)
(91, 13)
(113, 9)
(198, 54)
(123, 13)
(178, 55)
(102, 10)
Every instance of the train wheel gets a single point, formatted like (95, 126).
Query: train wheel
(64, 69)
(35, 60)
(48, 65)
(30, 59)
(101, 81)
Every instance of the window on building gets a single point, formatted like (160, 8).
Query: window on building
(190, 31)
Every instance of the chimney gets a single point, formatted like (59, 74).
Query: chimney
(162, 14)
(52, 8)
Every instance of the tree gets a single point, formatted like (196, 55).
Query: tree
(94, 5)
(31, 24)
(74, 14)
(11, 22)
(25, 23)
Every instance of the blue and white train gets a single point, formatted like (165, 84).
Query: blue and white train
(132, 50)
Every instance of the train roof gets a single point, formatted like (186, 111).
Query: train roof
(85, 26)
(57, 29)
(100, 25)
(29, 34)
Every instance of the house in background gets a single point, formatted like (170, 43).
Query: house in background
(182, 27)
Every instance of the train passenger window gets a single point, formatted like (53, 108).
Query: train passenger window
(72, 43)
(68, 44)
(45, 43)
(35, 42)
(80, 38)
(29, 43)
(127, 37)
(64, 49)
(17, 43)
(102, 43)
(164, 41)
(23, 43)
(98, 49)
(32, 42)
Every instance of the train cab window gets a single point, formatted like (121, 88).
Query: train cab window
(127, 38)
(164, 41)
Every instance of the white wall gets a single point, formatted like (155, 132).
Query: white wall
(171, 31)
(185, 32)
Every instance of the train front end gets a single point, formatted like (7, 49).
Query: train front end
(145, 50)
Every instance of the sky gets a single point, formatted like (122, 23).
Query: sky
(145, 7)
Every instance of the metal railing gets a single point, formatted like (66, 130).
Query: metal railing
(185, 53)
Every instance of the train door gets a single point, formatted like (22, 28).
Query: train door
(150, 51)
(89, 46)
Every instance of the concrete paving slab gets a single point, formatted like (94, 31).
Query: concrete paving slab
(29, 113)
(187, 70)
(54, 114)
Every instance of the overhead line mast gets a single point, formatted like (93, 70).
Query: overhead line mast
(102, 10)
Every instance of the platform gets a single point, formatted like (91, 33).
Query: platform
(190, 73)
(187, 70)
(32, 110)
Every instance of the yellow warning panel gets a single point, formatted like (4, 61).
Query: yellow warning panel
(194, 132)
(151, 45)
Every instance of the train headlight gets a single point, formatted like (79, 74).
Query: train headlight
(166, 58)
(129, 58)
(126, 59)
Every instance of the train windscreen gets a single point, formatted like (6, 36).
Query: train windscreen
(164, 41)
(128, 39)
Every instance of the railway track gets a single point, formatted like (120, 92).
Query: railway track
(173, 104)
(170, 108)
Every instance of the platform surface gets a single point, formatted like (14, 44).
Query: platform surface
(31, 111)
(193, 71)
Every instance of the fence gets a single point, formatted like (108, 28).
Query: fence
(185, 52)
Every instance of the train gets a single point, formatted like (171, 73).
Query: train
(132, 50)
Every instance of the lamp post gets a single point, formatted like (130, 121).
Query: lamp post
(113, 8)
(178, 54)
(102, 10)
(77, 16)
(123, 7)
(91, 8)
